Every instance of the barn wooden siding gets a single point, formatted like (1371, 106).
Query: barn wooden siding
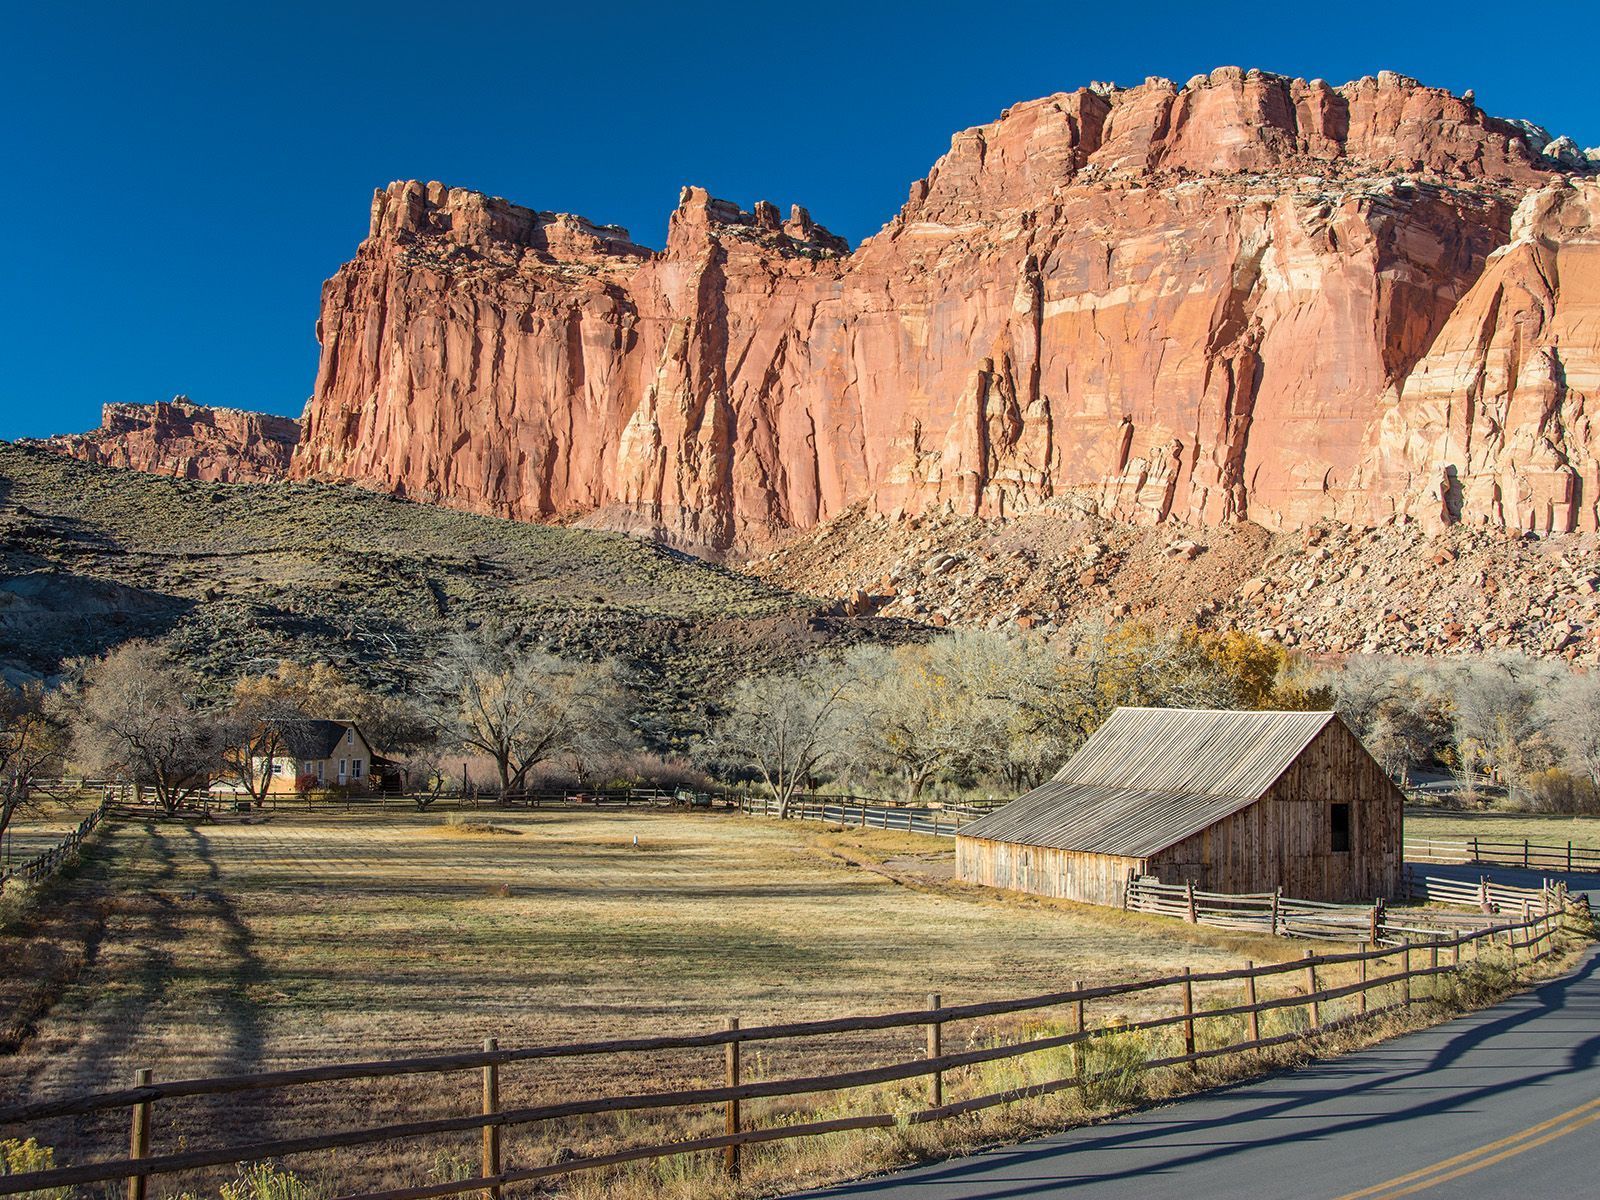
(1285, 839)
(1168, 793)
(1044, 870)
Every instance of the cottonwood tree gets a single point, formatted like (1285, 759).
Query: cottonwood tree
(31, 740)
(523, 708)
(399, 727)
(1573, 716)
(249, 735)
(787, 727)
(941, 708)
(136, 716)
(1499, 717)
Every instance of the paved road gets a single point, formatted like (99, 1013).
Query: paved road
(1500, 1103)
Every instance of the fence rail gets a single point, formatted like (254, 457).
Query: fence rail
(1475, 851)
(1533, 937)
(41, 867)
(1282, 916)
(862, 813)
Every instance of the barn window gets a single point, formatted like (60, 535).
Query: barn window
(1340, 827)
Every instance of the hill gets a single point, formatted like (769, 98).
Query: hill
(236, 577)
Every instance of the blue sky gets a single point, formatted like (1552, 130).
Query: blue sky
(182, 178)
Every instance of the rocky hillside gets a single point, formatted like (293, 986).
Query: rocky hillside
(1330, 589)
(186, 441)
(238, 577)
(1247, 296)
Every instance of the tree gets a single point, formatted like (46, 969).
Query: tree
(1500, 720)
(398, 727)
(1573, 716)
(786, 727)
(249, 738)
(524, 708)
(31, 739)
(945, 708)
(137, 718)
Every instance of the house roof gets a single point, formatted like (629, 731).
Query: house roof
(305, 738)
(1150, 777)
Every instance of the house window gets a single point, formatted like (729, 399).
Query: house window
(355, 768)
(320, 765)
(349, 737)
(277, 767)
(341, 768)
(308, 766)
(1339, 817)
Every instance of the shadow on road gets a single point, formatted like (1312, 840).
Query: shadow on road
(1408, 1066)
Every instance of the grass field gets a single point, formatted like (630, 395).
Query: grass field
(305, 940)
(1505, 827)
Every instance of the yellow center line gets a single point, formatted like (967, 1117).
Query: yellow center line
(1482, 1156)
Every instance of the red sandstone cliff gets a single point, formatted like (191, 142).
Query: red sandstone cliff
(187, 441)
(1248, 296)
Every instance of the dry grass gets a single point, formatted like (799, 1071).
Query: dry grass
(210, 949)
(1505, 827)
(221, 948)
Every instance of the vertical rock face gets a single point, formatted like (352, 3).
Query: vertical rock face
(1496, 423)
(1218, 301)
(187, 441)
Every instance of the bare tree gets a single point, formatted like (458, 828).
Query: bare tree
(787, 727)
(137, 717)
(31, 740)
(249, 739)
(1573, 715)
(524, 708)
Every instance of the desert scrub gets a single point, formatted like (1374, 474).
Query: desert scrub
(23, 1157)
(268, 1181)
(1114, 1069)
(460, 825)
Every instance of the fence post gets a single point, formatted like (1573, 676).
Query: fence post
(730, 1156)
(1311, 990)
(1361, 978)
(1377, 921)
(1524, 854)
(935, 1049)
(1077, 1023)
(1569, 856)
(1474, 848)
(491, 1133)
(1188, 1013)
(139, 1136)
(1253, 1017)
(1433, 965)
(1188, 891)
(1405, 971)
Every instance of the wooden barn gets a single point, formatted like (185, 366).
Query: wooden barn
(1227, 801)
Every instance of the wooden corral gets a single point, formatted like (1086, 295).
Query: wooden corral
(1227, 801)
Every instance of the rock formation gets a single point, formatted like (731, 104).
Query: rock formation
(187, 441)
(1246, 297)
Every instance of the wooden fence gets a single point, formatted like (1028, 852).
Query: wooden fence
(1485, 896)
(41, 867)
(863, 813)
(1381, 967)
(1281, 916)
(1531, 856)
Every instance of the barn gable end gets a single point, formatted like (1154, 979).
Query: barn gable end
(1228, 801)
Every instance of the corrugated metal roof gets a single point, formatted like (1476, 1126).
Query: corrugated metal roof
(1150, 777)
